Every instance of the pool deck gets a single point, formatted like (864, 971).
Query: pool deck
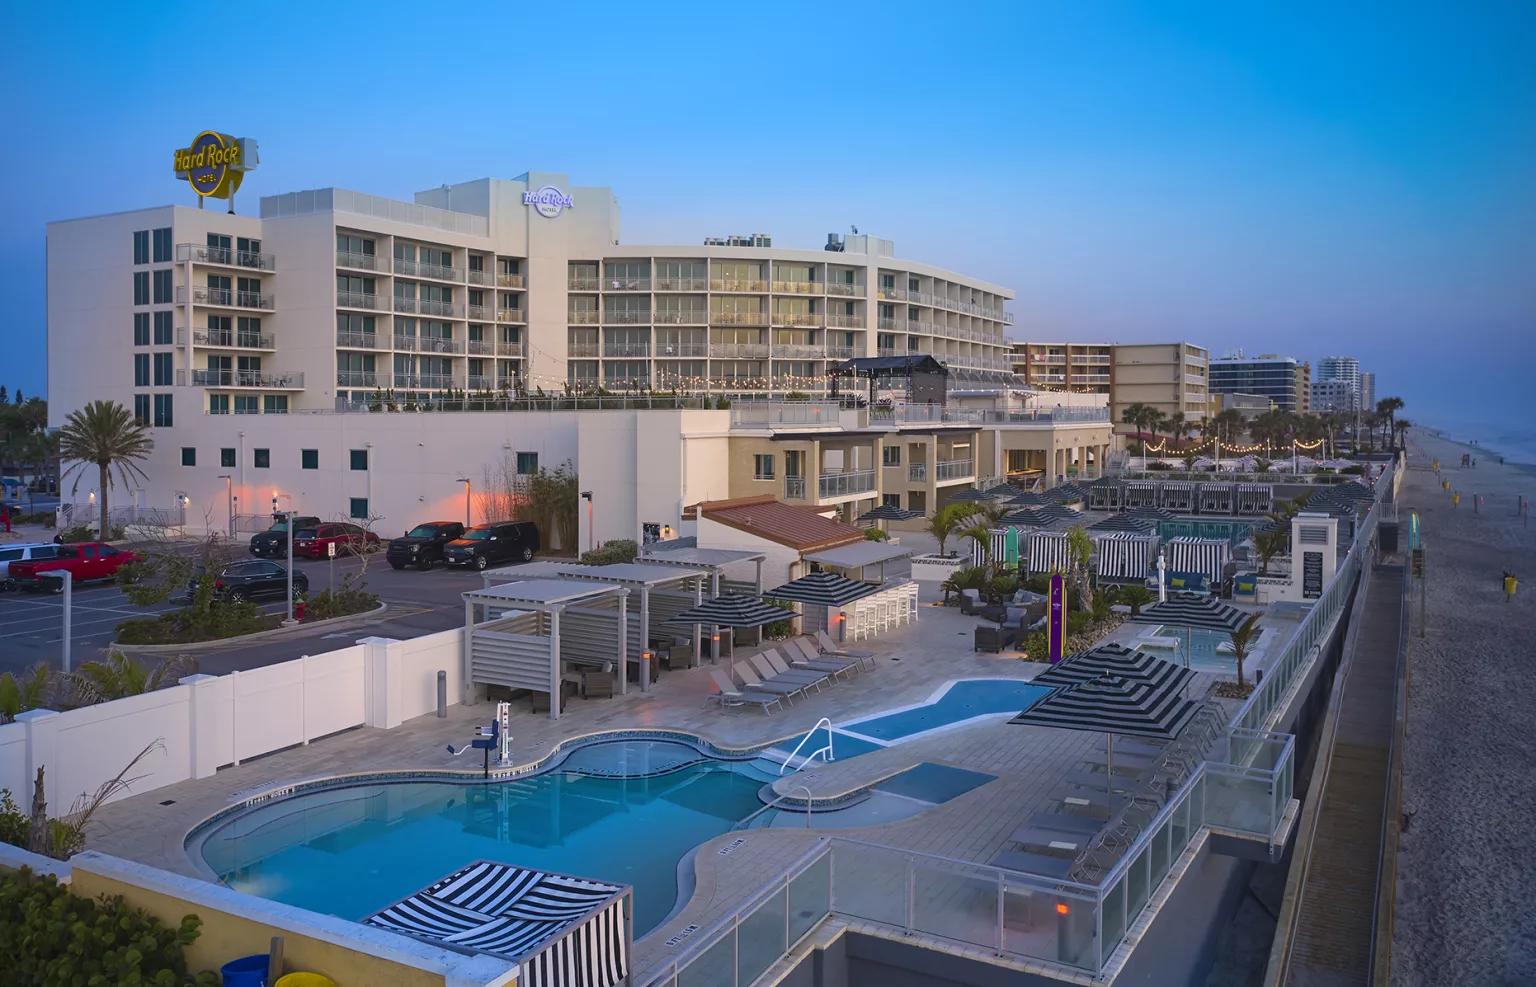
(913, 663)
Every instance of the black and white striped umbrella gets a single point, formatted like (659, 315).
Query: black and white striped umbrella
(1116, 660)
(970, 495)
(1152, 513)
(733, 610)
(823, 589)
(1030, 518)
(1067, 493)
(1002, 490)
(1124, 522)
(888, 512)
(1027, 499)
(1188, 610)
(575, 927)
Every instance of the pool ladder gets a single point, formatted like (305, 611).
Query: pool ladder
(826, 752)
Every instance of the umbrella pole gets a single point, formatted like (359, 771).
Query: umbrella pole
(1187, 636)
(1110, 762)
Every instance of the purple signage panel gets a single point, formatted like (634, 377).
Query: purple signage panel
(1057, 626)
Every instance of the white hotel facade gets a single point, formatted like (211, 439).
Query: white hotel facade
(256, 348)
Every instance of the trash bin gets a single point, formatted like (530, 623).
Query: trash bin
(247, 971)
(304, 980)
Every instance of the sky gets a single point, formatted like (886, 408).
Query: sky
(1303, 178)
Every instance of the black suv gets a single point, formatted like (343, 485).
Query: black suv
(423, 544)
(252, 579)
(488, 544)
(273, 543)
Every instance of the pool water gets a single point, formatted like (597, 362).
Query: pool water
(961, 701)
(1203, 656)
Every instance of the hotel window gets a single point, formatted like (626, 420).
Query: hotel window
(762, 467)
(348, 244)
(912, 315)
(582, 275)
(309, 459)
(840, 277)
(355, 330)
(141, 328)
(141, 246)
(476, 263)
(891, 456)
(358, 460)
(510, 266)
(141, 408)
(163, 371)
(582, 304)
(218, 404)
(247, 404)
(888, 281)
(630, 275)
(354, 286)
(801, 273)
(249, 291)
(163, 328)
(227, 459)
(794, 463)
(188, 456)
(247, 247)
(247, 331)
(274, 404)
(358, 508)
(437, 293)
(891, 500)
(141, 370)
(912, 284)
(262, 459)
(627, 308)
(673, 275)
(527, 463)
(163, 411)
(405, 255)
(162, 245)
(141, 288)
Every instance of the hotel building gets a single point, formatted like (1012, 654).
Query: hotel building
(1279, 378)
(1171, 377)
(283, 360)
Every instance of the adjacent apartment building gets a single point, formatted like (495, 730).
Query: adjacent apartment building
(1280, 378)
(1171, 377)
(304, 358)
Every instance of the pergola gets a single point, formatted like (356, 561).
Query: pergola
(713, 561)
(519, 643)
(852, 560)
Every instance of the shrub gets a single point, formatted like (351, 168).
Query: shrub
(779, 629)
(44, 518)
(184, 626)
(876, 534)
(50, 936)
(78, 533)
(618, 550)
(13, 822)
(347, 600)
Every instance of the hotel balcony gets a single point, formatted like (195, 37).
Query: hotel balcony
(846, 290)
(247, 379)
(691, 317)
(363, 299)
(917, 472)
(832, 486)
(487, 347)
(627, 318)
(887, 324)
(428, 306)
(1055, 359)
(1049, 378)
(889, 351)
(799, 287)
(845, 322)
(356, 378)
(1090, 378)
(438, 344)
(954, 470)
(517, 281)
(225, 257)
(429, 382)
(586, 317)
(484, 278)
(794, 488)
(582, 284)
(682, 284)
(626, 284)
(1196, 379)
(839, 352)
(359, 340)
(672, 351)
(799, 351)
(583, 351)
(225, 298)
(738, 318)
(512, 316)
(737, 284)
(1091, 358)
(362, 262)
(739, 351)
(435, 272)
(799, 319)
(628, 351)
(228, 339)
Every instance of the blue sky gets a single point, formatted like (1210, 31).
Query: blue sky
(1307, 178)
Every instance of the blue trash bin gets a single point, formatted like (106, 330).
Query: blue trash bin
(247, 971)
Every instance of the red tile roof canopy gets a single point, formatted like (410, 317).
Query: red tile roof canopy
(786, 524)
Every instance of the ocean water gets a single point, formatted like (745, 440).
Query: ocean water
(1516, 443)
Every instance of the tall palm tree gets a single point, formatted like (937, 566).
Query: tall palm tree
(1079, 552)
(1135, 415)
(946, 522)
(1268, 544)
(981, 533)
(1178, 426)
(104, 434)
(1388, 409)
(1243, 640)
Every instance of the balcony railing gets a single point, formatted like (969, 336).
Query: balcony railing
(626, 350)
(487, 347)
(481, 277)
(917, 472)
(250, 259)
(363, 299)
(439, 344)
(845, 321)
(667, 351)
(954, 469)
(846, 290)
(432, 382)
(1090, 378)
(585, 317)
(362, 262)
(682, 284)
(738, 318)
(511, 281)
(234, 339)
(356, 378)
(739, 351)
(684, 317)
(358, 340)
(802, 319)
(1049, 378)
(245, 378)
(887, 324)
(799, 351)
(626, 284)
(888, 351)
(583, 351)
(799, 287)
(407, 343)
(794, 488)
(582, 284)
(225, 298)
(737, 284)
(512, 316)
(624, 318)
(1094, 358)
(839, 352)
(845, 484)
(1194, 379)
(427, 306)
(770, 414)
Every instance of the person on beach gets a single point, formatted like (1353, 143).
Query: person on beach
(1510, 585)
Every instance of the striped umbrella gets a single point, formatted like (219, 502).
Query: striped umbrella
(1122, 522)
(888, 512)
(823, 589)
(1027, 499)
(1067, 493)
(1112, 659)
(1191, 613)
(1032, 518)
(1152, 513)
(733, 610)
(971, 495)
(1002, 490)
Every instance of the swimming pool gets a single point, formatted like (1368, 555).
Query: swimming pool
(1203, 645)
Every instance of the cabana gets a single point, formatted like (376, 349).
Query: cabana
(1048, 552)
(715, 562)
(532, 629)
(855, 561)
(1105, 494)
(1216, 498)
(1178, 495)
(1126, 556)
(1255, 498)
(1207, 556)
(1140, 493)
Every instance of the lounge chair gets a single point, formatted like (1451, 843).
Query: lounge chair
(1088, 800)
(1050, 839)
(597, 685)
(1033, 863)
(750, 680)
(1064, 823)
(831, 647)
(1131, 748)
(788, 662)
(1102, 782)
(800, 655)
(774, 673)
(988, 638)
(730, 694)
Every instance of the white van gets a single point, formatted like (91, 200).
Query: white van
(24, 553)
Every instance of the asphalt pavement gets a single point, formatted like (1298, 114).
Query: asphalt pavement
(31, 624)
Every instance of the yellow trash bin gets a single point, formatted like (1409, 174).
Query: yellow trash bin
(304, 980)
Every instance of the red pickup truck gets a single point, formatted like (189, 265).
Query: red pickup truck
(84, 560)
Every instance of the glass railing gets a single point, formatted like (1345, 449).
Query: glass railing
(846, 484)
(794, 488)
(954, 469)
(761, 414)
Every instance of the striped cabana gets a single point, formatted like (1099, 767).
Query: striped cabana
(1203, 555)
(1177, 496)
(1140, 493)
(1105, 494)
(1048, 552)
(1126, 555)
(1255, 498)
(1216, 498)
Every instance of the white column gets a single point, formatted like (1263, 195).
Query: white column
(645, 637)
(554, 660)
(42, 726)
(624, 643)
(207, 699)
(382, 657)
(466, 666)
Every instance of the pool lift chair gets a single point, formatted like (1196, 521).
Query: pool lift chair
(496, 737)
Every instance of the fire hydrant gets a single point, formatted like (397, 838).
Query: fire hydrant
(298, 609)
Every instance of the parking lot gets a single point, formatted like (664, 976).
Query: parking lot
(31, 624)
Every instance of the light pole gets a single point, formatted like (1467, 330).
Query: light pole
(586, 495)
(465, 481)
(288, 517)
(229, 500)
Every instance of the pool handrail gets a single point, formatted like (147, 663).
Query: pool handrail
(808, 799)
(827, 756)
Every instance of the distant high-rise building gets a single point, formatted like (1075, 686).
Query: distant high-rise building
(1367, 392)
(1337, 396)
(1343, 370)
(1269, 375)
(1304, 389)
(750, 240)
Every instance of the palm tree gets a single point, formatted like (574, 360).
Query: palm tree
(1079, 552)
(981, 533)
(1388, 408)
(1401, 427)
(104, 433)
(1269, 544)
(1135, 415)
(1134, 596)
(947, 521)
(1243, 640)
(1229, 424)
(118, 676)
(29, 692)
(1178, 426)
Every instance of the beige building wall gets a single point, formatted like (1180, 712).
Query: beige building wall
(1167, 376)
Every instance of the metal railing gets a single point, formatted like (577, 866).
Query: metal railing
(200, 254)
(1090, 378)
(362, 262)
(234, 339)
(827, 757)
(359, 340)
(487, 347)
(688, 317)
(839, 352)
(584, 317)
(933, 413)
(631, 350)
(356, 378)
(954, 469)
(737, 284)
(511, 281)
(801, 351)
(363, 299)
(626, 317)
(763, 414)
(587, 351)
(225, 297)
(674, 350)
(407, 343)
(626, 284)
(439, 344)
(480, 277)
(886, 324)
(846, 484)
(738, 318)
(245, 378)
(917, 472)
(846, 290)
(799, 287)
(739, 351)
(582, 284)
(794, 488)
(512, 316)
(440, 273)
(478, 313)
(682, 284)
(845, 321)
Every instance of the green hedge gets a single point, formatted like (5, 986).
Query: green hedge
(618, 550)
(50, 937)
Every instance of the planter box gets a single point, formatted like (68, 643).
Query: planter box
(937, 568)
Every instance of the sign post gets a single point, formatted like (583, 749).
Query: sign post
(1056, 627)
(330, 553)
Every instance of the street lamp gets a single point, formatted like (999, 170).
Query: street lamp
(229, 500)
(465, 481)
(287, 516)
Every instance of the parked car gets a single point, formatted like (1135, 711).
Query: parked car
(348, 538)
(253, 579)
(24, 553)
(489, 544)
(423, 544)
(83, 561)
(273, 543)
